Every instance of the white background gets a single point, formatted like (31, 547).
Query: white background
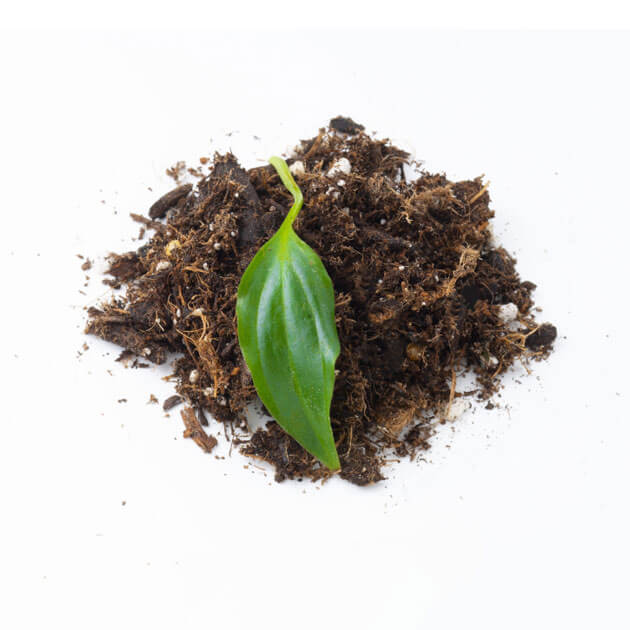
(519, 518)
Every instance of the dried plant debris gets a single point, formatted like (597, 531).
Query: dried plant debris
(195, 431)
(423, 294)
(172, 401)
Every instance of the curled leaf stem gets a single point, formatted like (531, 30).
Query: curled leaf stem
(289, 183)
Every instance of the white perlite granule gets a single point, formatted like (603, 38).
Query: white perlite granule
(163, 265)
(341, 167)
(508, 312)
(297, 168)
(458, 407)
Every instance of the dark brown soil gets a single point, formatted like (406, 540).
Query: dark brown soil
(419, 284)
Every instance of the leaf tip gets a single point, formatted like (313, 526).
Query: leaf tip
(331, 461)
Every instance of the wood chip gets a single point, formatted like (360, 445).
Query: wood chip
(159, 209)
(171, 401)
(203, 421)
(195, 431)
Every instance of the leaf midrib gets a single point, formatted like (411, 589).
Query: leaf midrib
(286, 263)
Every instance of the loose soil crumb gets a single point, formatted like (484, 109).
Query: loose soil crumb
(419, 286)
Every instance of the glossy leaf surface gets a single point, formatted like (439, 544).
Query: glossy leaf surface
(286, 330)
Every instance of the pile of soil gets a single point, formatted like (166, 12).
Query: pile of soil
(423, 294)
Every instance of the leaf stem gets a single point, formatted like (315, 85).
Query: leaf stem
(287, 179)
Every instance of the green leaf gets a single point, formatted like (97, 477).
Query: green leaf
(286, 329)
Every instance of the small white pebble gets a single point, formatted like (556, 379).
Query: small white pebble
(146, 352)
(341, 182)
(401, 267)
(341, 167)
(380, 281)
(211, 227)
(383, 221)
(178, 312)
(493, 361)
(346, 211)
(236, 195)
(233, 234)
(205, 266)
(208, 391)
(508, 312)
(163, 265)
(333, 193)
(217, 246)
(297, 168)
(437, 278)
(458, 407)
(193, 376)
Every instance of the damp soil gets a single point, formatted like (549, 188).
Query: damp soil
(419, 283)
